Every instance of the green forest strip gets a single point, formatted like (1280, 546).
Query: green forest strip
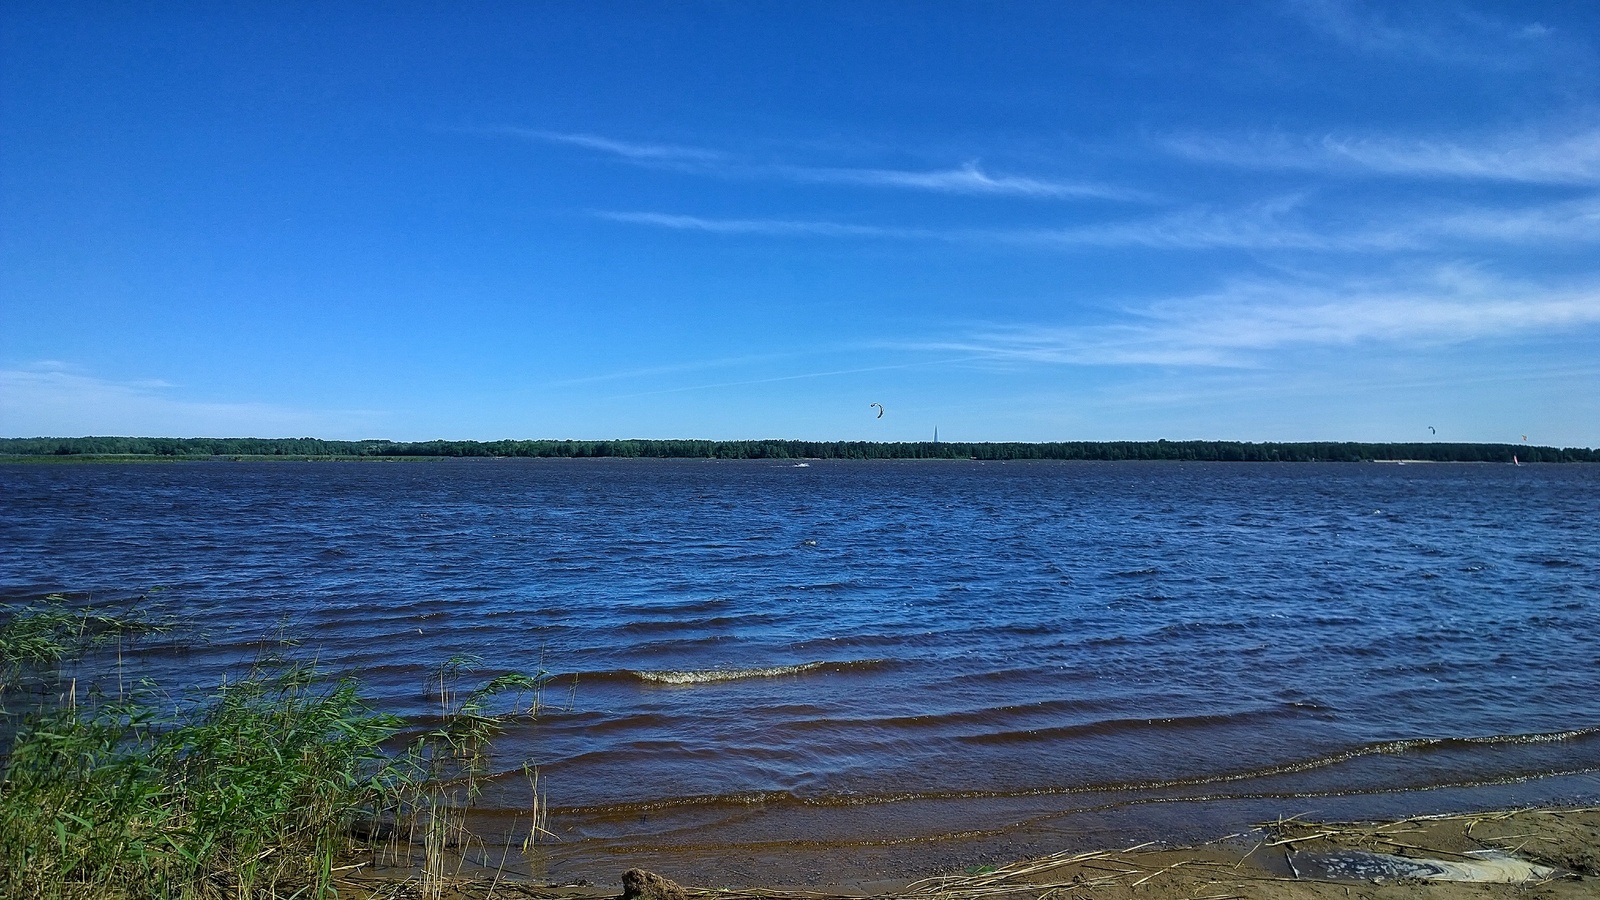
(135, 448)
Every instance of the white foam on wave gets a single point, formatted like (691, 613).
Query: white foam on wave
(707, 676)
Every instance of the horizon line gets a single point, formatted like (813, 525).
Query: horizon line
(1432, 440)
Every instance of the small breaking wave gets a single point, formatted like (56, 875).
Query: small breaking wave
(1409, 746)
(711, 676)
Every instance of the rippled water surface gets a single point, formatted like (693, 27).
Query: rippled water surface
(1006, 656)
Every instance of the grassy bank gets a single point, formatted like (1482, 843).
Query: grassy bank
(269, 785)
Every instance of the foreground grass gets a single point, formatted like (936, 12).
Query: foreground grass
(255, 789)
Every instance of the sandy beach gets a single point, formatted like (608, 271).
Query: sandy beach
(1537, 853)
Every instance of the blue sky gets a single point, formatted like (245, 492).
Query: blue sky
(1301, 220)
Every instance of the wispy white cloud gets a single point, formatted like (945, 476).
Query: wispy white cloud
(1274, 224)
(1457, 36)
(1258, 227)
(966, 179)
(629, 150)
(969, 179)
(55, 399)
(773, 227)
(1571, 158)
(1567, 222)
(1286, 224)
(1278, 224)
(1452, 305)
(1234, 326)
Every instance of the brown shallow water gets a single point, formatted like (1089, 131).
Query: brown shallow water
(860, 848)
(1554, 853)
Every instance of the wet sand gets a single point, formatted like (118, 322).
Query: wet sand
(1275, 860)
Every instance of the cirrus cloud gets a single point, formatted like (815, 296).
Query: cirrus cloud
(1240, 322)
(56, 399)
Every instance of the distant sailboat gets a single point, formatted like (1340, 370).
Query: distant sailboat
(1514, 460)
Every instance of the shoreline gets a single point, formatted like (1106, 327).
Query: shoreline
(847, 846)
(1549, 851)
(778, 462)
(790, 449)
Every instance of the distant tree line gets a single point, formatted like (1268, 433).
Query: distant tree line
(1221, 451)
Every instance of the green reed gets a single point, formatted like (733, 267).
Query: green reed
(452, 760)
(37, 638)
(258, 788)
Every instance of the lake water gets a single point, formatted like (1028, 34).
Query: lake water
(841, 671)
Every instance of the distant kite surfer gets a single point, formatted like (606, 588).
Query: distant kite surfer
(879, 406)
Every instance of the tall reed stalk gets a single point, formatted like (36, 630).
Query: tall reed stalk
(452, 760)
